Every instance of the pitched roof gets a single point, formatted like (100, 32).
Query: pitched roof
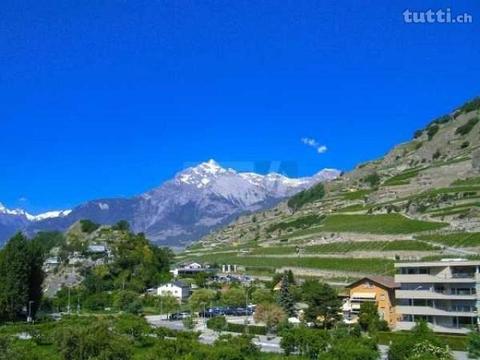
(180, 284)
(385, 281)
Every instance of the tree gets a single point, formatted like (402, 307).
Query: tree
(474, 344)
(122, 225)
(285, 299)
(166, 304)
(308, 342)
(201, 279)
(21, 277)
(96, 341)
(270, 314)
(369, 319)
(262, 296)
(234, 297)
(136, 328)
(323, 303)
(128, 301)
(239, 347)
(201, 298)
(88, 226)
(352, 348)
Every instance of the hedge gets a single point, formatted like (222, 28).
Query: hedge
(240, 328)
(455, 342)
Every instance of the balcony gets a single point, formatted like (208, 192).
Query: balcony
(432, 279)
(432, 294)
(467, 311)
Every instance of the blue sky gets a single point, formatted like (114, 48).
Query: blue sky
(111, 98)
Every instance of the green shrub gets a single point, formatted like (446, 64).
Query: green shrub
(432, 130)
(218, 323)
(471, 105)
(372, 180)
(88, 226)
(417, 134)
(467, 127)
(251, 329)
(464, 145)
(436, 155)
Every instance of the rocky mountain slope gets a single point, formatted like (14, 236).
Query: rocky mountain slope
(421, 199)
(181, 210)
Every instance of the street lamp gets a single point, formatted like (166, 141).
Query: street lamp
(246, 308)
(29, 317)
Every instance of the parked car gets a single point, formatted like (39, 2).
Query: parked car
(179, 315)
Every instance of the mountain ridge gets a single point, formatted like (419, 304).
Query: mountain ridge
(189, 205)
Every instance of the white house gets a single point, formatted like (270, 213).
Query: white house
(193, 266)
(177, 289)
(188, 269)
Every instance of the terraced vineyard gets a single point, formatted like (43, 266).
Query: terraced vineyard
(346, 247)
(361, 266)
(460, 240)
(378, 224)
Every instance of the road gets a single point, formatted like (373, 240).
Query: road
(266, 344)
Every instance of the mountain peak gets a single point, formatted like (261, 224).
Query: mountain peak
(211, 166)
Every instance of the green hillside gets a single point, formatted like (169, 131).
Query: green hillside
(419, 200)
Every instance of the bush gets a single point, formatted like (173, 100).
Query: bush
(128, 301)
(373, 179)
(95, 341)
(432, 130)
(417, 134)
(471, 105)
(464, 145)
(88, 226)
(189, 323)
(467, 127)
(122, 225)
(317, 192)
(251, 329)
(218, 323)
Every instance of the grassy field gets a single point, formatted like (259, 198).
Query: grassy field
(454, 239)
(367, 266)
(378, 224)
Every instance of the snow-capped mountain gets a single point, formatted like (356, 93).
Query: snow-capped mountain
(196, 201)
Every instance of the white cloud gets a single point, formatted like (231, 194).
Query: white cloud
(321, 149)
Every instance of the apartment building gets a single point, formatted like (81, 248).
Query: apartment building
(444, 293)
